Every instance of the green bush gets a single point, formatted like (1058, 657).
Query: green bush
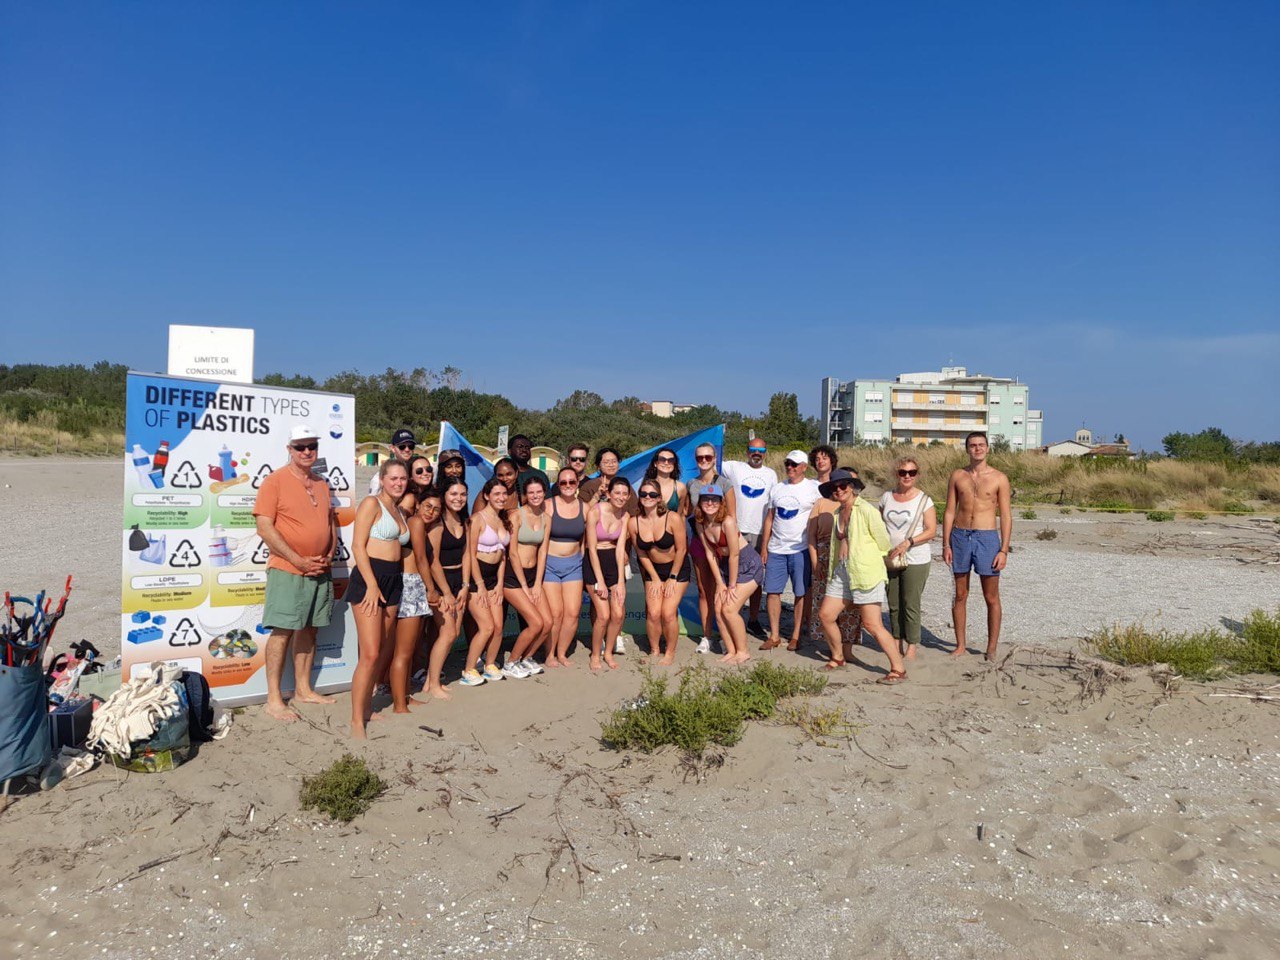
(1196, 514)
(1065, 510)
(1028, 514)
(704, 709)
(344, 791)
(1258, 649)
(1236, 507)
(1198, 656)
(1159, 516)
(1046, 534)
(1112, 506)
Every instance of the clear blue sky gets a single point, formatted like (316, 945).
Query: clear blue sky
(700, 202)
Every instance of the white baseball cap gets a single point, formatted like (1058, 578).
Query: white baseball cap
(797, 456)
(302, 432)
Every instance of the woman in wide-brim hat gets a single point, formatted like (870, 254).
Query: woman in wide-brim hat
(856, 573)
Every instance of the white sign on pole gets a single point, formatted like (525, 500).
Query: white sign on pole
(211, 353)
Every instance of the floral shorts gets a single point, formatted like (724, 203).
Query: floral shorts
(413, 600)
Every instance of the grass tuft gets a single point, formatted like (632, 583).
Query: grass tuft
(1197, 655)
(1028, 514)
(705, 708)
(818, 723)
(1159, 516)
(1046, 534)
(344, 790)
(1196, 514)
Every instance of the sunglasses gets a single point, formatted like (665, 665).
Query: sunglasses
(648, 495)
(300, 447)
(568, 483)
(421, 472)
(577, 459)
(668, 459)
(788, 464)
(705, 459)
(756, 450)
(404, 446)
(907, 473)
(843, 485)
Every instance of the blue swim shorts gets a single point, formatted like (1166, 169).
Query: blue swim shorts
(782, 567)
(974, 550)
(563, 569)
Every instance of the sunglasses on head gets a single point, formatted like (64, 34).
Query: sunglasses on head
(907, 473)
(310, 445)
(648, 495)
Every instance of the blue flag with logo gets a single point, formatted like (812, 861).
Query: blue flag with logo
(633, 468)
(479, 470)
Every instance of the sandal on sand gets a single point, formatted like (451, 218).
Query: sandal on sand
(834, 664)
(770, 644)
(893, 676)
(793, 646)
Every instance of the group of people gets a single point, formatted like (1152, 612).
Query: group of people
(435, 560)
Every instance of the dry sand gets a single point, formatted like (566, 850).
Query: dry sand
(1118, 815)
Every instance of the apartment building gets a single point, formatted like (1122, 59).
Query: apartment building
(923, 407)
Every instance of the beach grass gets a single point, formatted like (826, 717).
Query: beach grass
(705, 708)
(1199, 654)
(343, 790)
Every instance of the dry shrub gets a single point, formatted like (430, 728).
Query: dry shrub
(1136, 490)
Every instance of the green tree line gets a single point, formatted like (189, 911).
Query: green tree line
(85, 399)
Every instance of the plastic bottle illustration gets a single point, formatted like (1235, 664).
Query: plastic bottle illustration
(224, 462)
(142, 464)
(161, 460)
(219, 554)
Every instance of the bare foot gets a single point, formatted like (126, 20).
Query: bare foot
(405, 709)
(725, 659)
(415, 702)
(611, 664)
(357, 733)
(595, 666)
(564, 662)
(282, 713)
(667, 661)
(551, 662)
(959, 652)
(312, 697)
(439, 693)
(911, 652)
(742, 657)
(991, 652)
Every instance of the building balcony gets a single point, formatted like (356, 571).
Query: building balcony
(914, 426)
(949, 407)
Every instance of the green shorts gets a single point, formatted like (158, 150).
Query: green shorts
(295, 602)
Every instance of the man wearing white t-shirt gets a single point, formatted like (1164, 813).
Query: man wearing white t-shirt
(785, 546)
(752, 483)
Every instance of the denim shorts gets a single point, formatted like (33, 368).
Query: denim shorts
(782, 567)
(563, 569)
(974, 550)
(840, 588)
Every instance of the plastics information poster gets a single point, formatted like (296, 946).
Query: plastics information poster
(194, 569)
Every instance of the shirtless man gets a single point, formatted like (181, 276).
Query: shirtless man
(975, 495)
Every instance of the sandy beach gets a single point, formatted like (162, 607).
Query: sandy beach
(1043, 805)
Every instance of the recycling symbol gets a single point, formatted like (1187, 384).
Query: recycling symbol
(184, 634)
(263, 472)
(343, 554)
(338, 480)
(186, 477)
(185, 555)
(261, 554)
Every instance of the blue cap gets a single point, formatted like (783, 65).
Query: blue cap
(711, 490)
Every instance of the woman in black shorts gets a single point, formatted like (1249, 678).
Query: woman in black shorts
(381, 532)
(450, 564)
(602, 569)
(659, 536)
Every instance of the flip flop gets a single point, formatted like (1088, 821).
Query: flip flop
(892, 677)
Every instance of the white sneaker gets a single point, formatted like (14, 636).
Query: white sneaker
(532, 665)
(620, 645)
(515, 671)
(704, 645)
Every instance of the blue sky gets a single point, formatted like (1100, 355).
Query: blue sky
(699, 202)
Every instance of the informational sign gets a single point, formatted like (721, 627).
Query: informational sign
(211, 353)
(194, 568)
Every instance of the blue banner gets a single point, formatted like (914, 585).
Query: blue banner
(633, 468)
(479, 470)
